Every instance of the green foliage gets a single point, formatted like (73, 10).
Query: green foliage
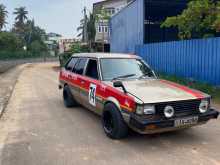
(87, 29)
(3, 16)
(36, 47)
(75, 48)
(25, 33)
(102, 15)
(33, 32)
(78, 48)
(91, 28)
(63, 58)
(21, 54)
(206, 88)
(201, 19)
(20, 18)
(10, 42)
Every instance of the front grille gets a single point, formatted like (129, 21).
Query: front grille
(182, 108)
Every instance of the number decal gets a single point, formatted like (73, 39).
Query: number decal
(92, 94)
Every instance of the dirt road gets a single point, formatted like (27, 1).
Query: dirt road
(37, 129)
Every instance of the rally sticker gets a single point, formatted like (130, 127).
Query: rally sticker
(92, 94)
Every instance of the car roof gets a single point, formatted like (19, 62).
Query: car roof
(106, 55)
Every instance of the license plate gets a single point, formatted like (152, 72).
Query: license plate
(186, 121)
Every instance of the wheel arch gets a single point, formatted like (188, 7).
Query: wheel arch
(114, 101)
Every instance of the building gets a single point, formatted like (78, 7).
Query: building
(65, 44)
(112, 7)
(54, 37)
(139, 23)
(52, 43)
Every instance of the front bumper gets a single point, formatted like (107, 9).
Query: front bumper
(145, 126)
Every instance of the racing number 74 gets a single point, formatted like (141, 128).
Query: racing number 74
(92, 94)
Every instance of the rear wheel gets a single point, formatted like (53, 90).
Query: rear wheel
(68, 99)
(113, 123)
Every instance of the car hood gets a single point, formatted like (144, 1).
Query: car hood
(157, 90)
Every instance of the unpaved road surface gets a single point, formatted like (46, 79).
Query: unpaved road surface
(37, 129)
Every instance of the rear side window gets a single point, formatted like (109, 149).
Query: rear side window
(92, 69)
(79, 68)
(69, 66)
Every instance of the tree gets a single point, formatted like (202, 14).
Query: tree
(21, 17)
(217, 21)
(10, 42)
(37, 47)
(201, 19)
(3, 16)
(33, 32)
(83, 27)
(81, 30)
(87, 28)
(91, 30)
(79, 48)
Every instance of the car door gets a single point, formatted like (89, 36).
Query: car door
(79, 71)
(90, 98)
(71, 77)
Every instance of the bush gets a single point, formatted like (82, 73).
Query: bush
(10, 42)
(63, 58)
(6, 55)
(75, 48)
(37, 47)
(79, 48)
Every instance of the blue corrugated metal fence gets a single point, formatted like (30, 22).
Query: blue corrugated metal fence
(127, 28)
(198, 59)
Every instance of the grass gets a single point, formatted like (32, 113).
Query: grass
(206, 88)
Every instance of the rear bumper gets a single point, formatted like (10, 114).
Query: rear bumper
(158, 126)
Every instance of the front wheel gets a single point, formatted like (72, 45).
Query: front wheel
(113, 123)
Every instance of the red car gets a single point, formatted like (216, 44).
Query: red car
(125, 91)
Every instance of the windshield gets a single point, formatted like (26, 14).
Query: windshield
(125, 68)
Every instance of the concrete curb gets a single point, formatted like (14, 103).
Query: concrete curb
(4, 104)
(8, 82)
(6, 65)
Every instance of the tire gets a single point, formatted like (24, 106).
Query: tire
(68, 99)
(113, 124)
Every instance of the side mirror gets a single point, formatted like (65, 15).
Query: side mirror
(119, 84)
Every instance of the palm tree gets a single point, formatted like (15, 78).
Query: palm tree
(87, 29)
(21, 17)
(3, 15)
(91, 30)
(83, 27)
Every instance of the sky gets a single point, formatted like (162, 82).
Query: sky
(58, 16)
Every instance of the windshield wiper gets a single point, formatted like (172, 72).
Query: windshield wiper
(145, 75)
(124, 76)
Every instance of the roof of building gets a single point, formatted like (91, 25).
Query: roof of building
(54, 35)
(105, 55)
(100, 3)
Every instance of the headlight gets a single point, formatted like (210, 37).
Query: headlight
(204, 106)
(140, 110)
(169, 111)
(149, 110)
(145, 110)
